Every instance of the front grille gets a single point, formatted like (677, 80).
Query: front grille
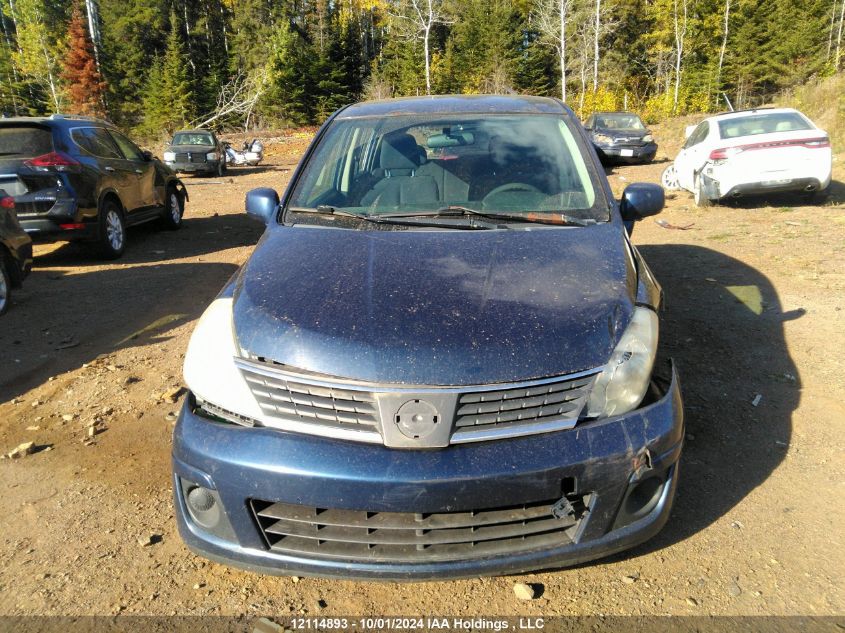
(541, 403)
(192, 157)
(287, 400)
(305, 402)
(408, 537)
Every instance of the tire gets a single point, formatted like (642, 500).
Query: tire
(221, 168)
(669, 178)
(174, 209)
(5, 287)
(701, 199)
(112, 231)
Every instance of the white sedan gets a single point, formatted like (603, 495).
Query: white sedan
(752, 152)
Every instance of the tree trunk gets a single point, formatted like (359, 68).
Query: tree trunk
(722, 50)
(839, 37)
(680, 34)
(562, 6)
(830, 32)
(94, 29)
(596, 47)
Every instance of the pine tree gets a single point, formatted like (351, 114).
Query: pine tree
(85, 88)
(168, 99)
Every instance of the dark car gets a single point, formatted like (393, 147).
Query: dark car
(196, 152)
(621, 137)
(80, 178)
(15, 251)
(438, 362)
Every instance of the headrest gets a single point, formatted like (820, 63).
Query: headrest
(400, 152)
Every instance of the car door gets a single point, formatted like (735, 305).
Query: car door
(115, 171)
(692, 156)
(143, 169)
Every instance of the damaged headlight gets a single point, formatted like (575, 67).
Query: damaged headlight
(210, 370)
(602, 138)
(620, 387)
(212, 156)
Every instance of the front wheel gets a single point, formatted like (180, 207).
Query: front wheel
(174, 208)
(669, 178)
(112, 231)
(5, 287)
(699, 194)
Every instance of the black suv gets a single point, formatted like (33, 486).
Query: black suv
(80, 178)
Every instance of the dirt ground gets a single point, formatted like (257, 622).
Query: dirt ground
(754, 318)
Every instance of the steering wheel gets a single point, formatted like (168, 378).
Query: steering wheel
(511, 186)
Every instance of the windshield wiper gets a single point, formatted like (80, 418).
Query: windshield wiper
(325, 209)
(541, 217)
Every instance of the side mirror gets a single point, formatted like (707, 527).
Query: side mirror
(640, 200)
(262, 203)
(147, 154)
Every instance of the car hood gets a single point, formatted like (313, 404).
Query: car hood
(436, 307)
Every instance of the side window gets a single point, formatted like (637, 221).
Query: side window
(129, 150)
(96, 141)
(698, 135)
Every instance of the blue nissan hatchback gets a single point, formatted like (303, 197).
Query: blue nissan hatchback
(439, 361)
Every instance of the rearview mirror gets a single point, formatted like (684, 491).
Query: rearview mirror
(148, 155)
(262, 203)
(640, 200)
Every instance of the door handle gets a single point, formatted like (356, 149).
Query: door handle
(109, 168)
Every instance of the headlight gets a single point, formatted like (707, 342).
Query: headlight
(648, 138)
(211, 156)
(170, 156)
(623, 383)
(210, 371)
(602, 138)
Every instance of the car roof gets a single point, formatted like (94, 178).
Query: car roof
(617, 112)
(452, 104)
(57, 120)
(194, 131)
(725, 116)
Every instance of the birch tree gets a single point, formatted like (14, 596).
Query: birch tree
(725, 33)
(552, 21)
(680, 24)
(418, 17)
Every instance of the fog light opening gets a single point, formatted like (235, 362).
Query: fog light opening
(203, 505)
(644, 497)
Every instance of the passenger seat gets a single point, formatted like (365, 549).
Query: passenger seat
(400, 159)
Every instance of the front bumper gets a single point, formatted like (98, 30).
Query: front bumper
(208, 167)
(625, 154)
(602, 462)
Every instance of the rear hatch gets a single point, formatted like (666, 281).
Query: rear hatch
(20, 142)
(777, 156)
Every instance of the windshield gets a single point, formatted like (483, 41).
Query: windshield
(619, 122)
(192, 138)
(514, 164)
(762, 124)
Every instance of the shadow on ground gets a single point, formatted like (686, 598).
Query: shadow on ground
(74, 308)
(723, 325)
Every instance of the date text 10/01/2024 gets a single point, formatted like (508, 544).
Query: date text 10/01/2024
(415, 624)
